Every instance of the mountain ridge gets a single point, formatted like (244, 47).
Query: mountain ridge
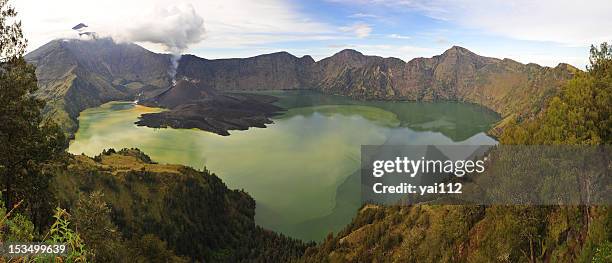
(76, 74)
(457, 74)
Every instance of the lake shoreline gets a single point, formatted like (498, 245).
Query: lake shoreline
(317, 131)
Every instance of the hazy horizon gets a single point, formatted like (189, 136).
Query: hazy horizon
(304, 55)
(542, 32)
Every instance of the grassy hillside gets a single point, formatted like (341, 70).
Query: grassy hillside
(192, 211)
(428, 233)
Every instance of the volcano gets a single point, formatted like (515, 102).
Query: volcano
(192, 104)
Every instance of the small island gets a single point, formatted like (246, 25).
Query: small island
(193, 105)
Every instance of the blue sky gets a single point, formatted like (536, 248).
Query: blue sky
(545, 32)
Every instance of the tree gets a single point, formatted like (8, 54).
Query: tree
(28, 142)
(12, 43)
(93, 222)
(601, 60)
(580, 115)
(149, 248)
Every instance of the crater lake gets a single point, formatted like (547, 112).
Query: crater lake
(302, 170)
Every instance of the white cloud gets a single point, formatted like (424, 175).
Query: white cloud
(246, 28)
(174, 27)
(229, 23)
(363, 15)
(567, 22)
(562, 21)
(361, 30)
(398, 36)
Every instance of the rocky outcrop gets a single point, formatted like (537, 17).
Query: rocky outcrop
(266, 72)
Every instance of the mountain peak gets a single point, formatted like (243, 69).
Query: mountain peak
(349, 52)
(461, 58)
(348, 55)
(457, 50)
(84, 45)
(308, 59)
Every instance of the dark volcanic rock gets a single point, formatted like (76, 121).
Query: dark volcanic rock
(194, 105)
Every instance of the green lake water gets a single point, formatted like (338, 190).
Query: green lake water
(303, 169)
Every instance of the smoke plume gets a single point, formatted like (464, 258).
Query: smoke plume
(175, 28)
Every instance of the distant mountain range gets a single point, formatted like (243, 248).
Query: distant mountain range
(75, 75)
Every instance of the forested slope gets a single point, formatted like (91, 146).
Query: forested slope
(580, 115)
(192, 211)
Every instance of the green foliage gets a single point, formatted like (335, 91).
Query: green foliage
(601, 60)
(61, 233)
(15, 227)
(434, 233)
(28, 142)
(581, 114)
(12, 43)
(192, 213)
(603, 253)
(149, 248)
(20, 228)
(93, 221)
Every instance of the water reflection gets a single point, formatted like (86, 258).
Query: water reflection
(301, 169)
